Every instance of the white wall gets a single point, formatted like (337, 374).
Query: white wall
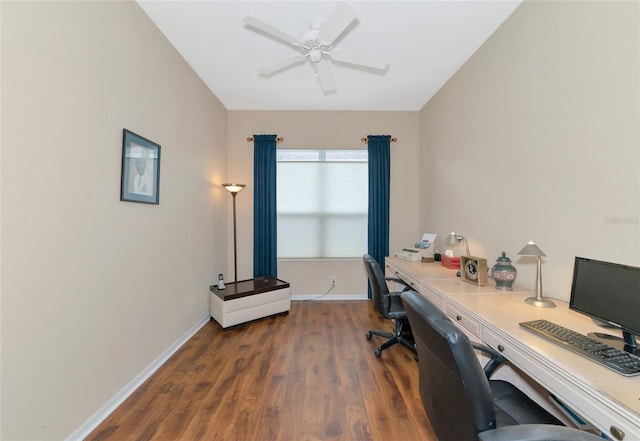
(94, 289)
(537, 138)
(335, 130)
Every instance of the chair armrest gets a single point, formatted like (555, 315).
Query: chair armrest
(496, 358)
(386, 302)
(400, 281)
(536, 432)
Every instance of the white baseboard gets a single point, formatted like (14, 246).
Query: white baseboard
(330, 297)
(88, 426)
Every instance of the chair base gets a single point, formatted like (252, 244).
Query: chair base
(394, 337)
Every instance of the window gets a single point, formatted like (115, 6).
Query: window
(322, 203)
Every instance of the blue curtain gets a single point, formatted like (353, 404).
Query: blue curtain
(379, 185)
(264, 207)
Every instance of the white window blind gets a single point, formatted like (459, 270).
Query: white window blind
(322, 203)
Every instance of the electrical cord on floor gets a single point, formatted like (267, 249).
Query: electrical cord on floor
(322, 295)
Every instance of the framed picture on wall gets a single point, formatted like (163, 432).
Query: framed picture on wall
(140, 169)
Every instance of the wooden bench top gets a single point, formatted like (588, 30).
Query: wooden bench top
(245, 288)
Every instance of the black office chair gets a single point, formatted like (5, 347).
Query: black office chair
(389, 305)
(461, 403)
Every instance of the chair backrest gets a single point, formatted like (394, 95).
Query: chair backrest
(454, 389)
(376, 281)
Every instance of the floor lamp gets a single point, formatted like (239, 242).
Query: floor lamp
(234, 189)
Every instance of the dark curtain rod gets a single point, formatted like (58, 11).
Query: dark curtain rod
(278, 139)
(281, 139)
(367, 140)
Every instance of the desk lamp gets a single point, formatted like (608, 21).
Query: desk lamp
(454, 239)
(531, 249)
(234, 189)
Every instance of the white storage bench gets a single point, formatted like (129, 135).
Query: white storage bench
(248, 300)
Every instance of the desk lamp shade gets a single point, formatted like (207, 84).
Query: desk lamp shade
(454, 239)
(234, 189)
(531, 249)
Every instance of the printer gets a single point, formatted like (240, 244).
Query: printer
(419, 250)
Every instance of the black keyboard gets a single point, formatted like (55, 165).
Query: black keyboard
(615, 359)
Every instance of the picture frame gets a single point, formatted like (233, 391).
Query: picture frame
(140, 181)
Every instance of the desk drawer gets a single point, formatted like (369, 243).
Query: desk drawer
(438, 299)
(413, 283)
(458, 317)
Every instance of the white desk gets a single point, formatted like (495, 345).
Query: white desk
(609, 401)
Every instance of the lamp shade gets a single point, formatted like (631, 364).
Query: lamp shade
(453, 239)
(233, 188)
(531, 249)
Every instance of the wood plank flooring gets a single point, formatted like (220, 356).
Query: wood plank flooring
(308, 375)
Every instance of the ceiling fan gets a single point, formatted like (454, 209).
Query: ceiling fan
(317, 45)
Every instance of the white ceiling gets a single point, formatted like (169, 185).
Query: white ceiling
(425, 42)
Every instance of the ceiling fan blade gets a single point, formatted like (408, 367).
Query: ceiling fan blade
(272, 30)
(340, 18)
(325, 76)
(282, 64)
(360, 58)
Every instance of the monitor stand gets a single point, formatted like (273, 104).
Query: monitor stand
(625, 343)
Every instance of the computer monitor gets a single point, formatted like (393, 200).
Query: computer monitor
(610, 293)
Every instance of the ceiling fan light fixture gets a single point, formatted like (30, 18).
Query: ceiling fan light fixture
(315, 55)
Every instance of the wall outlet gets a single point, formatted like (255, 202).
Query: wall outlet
(333, 280)
(190, 308)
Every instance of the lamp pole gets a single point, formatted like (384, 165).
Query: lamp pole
(235, 241)
(234, 189)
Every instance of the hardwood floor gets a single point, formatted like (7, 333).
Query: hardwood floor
(308, 375)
